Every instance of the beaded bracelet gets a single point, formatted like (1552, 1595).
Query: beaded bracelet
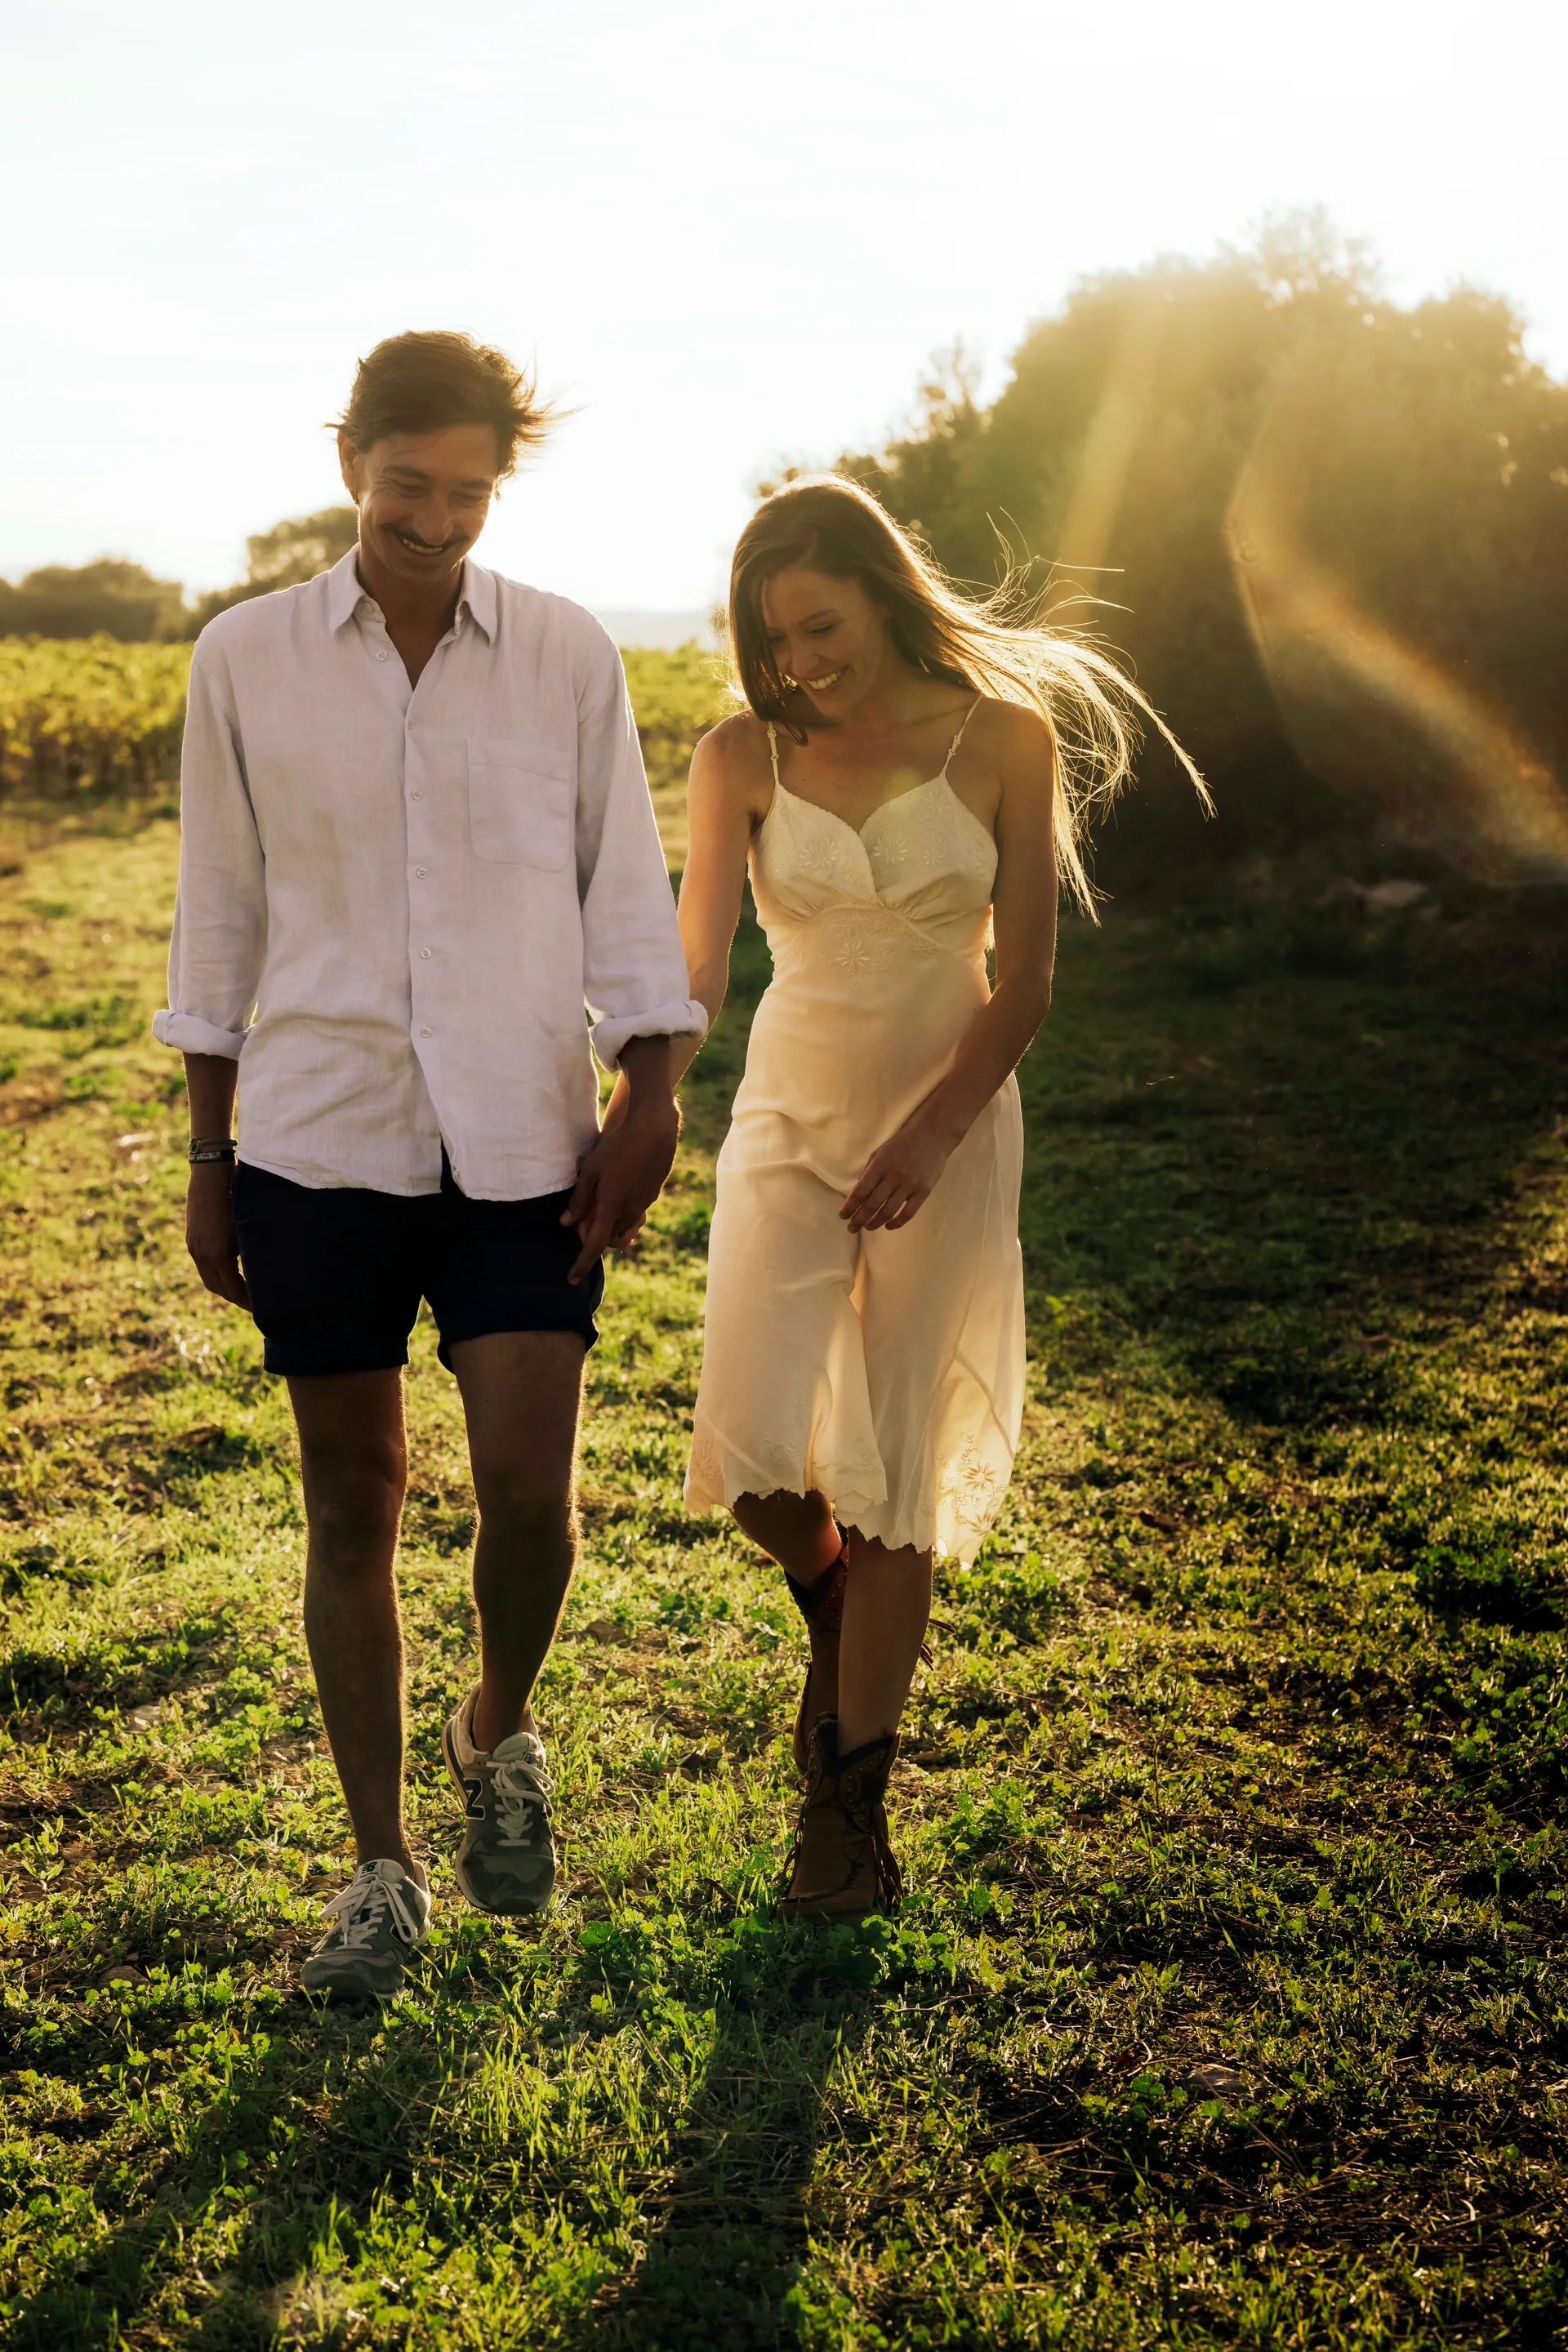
(204, 1148)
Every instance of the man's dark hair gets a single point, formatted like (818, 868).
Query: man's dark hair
(422, 383)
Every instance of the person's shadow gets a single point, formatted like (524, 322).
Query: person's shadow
(275, 2196)
(729, 2225)
(292, 2179)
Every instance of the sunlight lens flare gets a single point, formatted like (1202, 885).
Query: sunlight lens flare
(1334, 668)
(1112, 442)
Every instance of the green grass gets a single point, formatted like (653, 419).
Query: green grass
(1245, 1745)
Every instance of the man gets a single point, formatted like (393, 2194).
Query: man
(417, 842)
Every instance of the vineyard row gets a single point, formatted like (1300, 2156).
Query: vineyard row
(95, 714)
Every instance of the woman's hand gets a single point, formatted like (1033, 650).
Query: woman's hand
(901, 1176)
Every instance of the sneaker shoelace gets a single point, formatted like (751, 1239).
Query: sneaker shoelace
(522, 1792)
(359, 1910)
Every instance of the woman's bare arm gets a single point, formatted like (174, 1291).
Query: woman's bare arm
(726, 797)
(902, 1173)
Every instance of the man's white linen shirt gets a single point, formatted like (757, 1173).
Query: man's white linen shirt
(418, 889)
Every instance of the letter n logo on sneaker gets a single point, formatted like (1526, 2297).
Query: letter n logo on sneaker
(475, 1793)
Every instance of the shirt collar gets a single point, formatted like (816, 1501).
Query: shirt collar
(346, 591)
(480, 596)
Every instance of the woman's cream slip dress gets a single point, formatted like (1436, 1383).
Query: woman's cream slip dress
(885, 1369)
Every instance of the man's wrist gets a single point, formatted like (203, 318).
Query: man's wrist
(650, 1089)
(652, 1106)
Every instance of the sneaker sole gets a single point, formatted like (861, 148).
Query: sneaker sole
(528, 1909)
(352, 1982)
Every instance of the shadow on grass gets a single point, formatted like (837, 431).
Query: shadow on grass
(728, 2239)
(1267, 1162)
(725, 2255)
(319, 2142)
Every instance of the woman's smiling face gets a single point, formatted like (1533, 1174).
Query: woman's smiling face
(825, 635)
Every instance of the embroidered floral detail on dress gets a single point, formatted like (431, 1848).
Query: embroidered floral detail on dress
(922, 844)
(822, 857)
(863, 944)
(825, 850)
(864, 936)
(972, 1487)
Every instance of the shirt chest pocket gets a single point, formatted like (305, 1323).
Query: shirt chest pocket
(521, 801)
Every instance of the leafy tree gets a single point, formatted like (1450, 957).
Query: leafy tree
(289, 553)
(1331, 534)
(112, 597)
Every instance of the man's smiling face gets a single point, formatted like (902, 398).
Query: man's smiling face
(422, 498)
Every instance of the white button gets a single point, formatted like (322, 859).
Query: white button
(416, 795)
(381, 657)
(419, 873)
(423, 955)
(424, 1032)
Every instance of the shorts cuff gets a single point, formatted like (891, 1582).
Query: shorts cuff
(300, 1361)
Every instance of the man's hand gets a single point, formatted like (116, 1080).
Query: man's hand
(209, 1230)
(621, 1178)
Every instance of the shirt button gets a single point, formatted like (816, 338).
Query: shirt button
(419, 873)
(423, 955)
(424, 1032)
(381, 657)
(416, 795)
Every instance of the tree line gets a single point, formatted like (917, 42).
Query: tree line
(116, 598)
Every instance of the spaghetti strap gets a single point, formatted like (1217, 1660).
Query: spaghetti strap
(956, 741)
(774, 750)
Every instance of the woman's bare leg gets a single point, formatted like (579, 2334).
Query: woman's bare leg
(797, 1530)
(886, 1602)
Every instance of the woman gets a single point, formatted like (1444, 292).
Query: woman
(910, 783)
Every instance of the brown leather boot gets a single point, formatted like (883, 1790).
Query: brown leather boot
(822, 1605)
(843, 1866)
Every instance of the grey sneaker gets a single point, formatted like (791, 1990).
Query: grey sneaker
(381, 1920)
(507, 1859)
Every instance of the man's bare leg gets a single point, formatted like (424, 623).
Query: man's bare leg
(355, 1466)
(521, 1397)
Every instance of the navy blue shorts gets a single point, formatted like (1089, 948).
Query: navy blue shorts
(336, 1276)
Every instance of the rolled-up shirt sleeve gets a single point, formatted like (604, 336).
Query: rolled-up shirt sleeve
(633, 971)
(220, 909)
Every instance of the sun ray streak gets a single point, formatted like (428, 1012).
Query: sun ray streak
(1322, 650)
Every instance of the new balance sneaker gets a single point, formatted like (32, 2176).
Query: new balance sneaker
(507, 1860)
(380, 1921)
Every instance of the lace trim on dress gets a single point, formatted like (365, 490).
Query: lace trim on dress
(970, 1486)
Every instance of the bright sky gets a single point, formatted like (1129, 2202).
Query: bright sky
(725, 232)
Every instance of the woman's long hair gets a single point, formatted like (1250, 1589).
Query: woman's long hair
(998, 646)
